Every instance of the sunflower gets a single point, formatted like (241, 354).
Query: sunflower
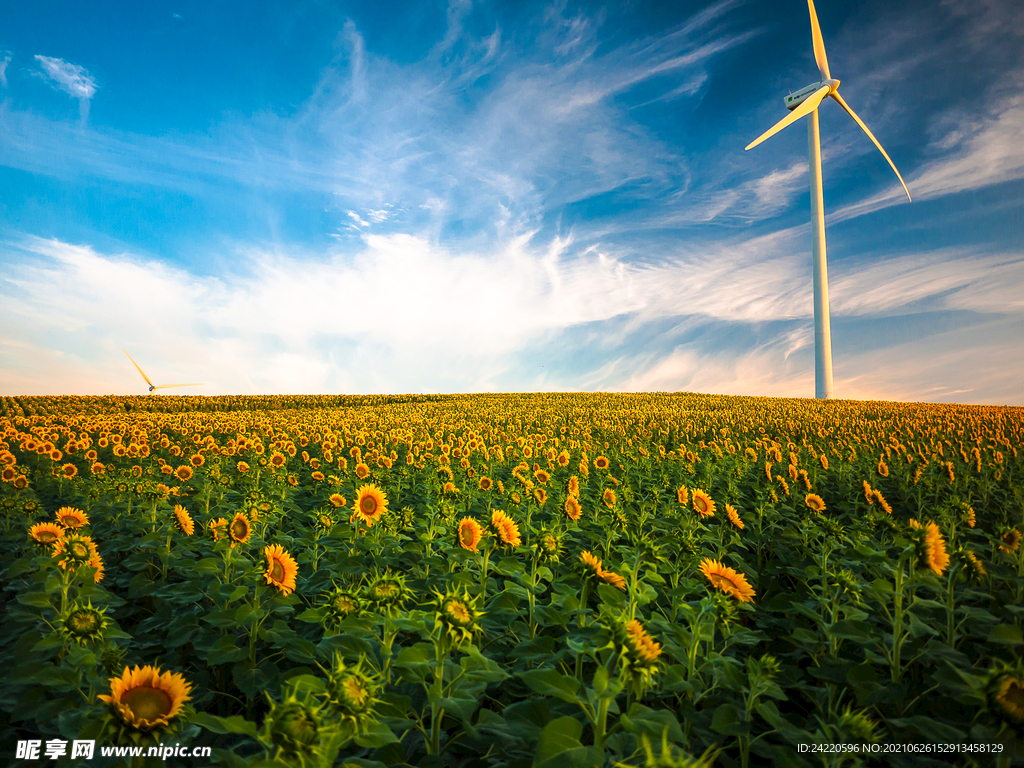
(82, 624)
(641, 643)
(242, 467)
(814, 502)
(703, 503)
(145, 699)
(318, 477)
(541, 476)
(281, 569)
(882, 502)
(591, 565)
(883, 470)
(1010, 696)
(572, 508)
(69, 470)
(72, 518)
(1010, 540)
(342, 603)
(74, 550)
(240, 529)
(768, 470)
(608, 497)
(184, 520)
(457, 615)
(935, 556)
(197, 460)
(277, 459)
(734, 516)
(337, 500)
(470, 534)
(362, 471)
(485, 484)
(601, 462)
(184, 473)
(46, 533)
(505, 528)
(540, 495)
(727, 580)
(608, 577)
(217, 527)
(683, 495)
(371, 503)
(970, 518)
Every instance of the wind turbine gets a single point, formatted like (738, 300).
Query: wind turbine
(152, 386)
(802, 103)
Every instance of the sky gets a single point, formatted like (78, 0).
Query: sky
(395, 197)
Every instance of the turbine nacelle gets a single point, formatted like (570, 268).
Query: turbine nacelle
(794, 100)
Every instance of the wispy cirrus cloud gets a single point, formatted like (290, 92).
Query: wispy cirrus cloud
(73, 79)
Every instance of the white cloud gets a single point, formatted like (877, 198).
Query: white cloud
(73, 79)
(3, 67)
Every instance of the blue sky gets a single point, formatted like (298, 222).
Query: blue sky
(392, 197)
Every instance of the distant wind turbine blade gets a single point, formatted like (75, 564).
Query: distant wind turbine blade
(805, 108)
(819, 44)
(137, 367)
(165, 386)
(871, 136)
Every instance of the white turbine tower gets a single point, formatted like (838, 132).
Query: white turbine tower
(802, 103)
(152, 386)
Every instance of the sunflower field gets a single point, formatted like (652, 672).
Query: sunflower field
(516, 581)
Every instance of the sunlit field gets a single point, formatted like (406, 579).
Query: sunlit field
(515, 580)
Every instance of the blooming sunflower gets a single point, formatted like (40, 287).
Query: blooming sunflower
(277, 459)
(601, 462)
(703, 503)
(457, 615)
(281, 569)
(933, 547)
(877, 495)
(734, 516)
(1010, 540)
(362, 471)
(540, 495)
(217, 527)
(591, 565)
(814, 502)
(485, 483)
(641, 643)
(46, 533)
(242, 467)
(505, 528)
(371, 503)
(74, 550)
(69, 470)
(727, 580)
(470, 534)
(184, 473)
(197, 460)
(240, 529)
(572, 508)
(71, 518)
(883, 470)
(145, 699)
(1010, 696)
(184, 520)
(608, 577)
(608, 497)
(337, 500)
(683, 495)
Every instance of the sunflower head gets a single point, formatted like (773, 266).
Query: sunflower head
(145, 699)
(71, 518)
(971, 568)
(814, 502)
(240, 529)
(294, 724)
(470, 534)
(505, 528)
(640, 657)
(703, 505)
(342, 603)
(217, 528)
(1009, 539)
(550, 545)
(727, 580)
(370, 505)
(572, 508)
(46, 534)
(82, 624)
(855, 726)
(456, 616)
(281, 569)
(388, 592)
(930, 546)
(1006, 693)
(352, 693)
(734, 517)
(74, 551)
(184, 520)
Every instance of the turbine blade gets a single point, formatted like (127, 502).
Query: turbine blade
(871, 136)
(806, 107)
(137, 367)
(819, 44)
(165, 386)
